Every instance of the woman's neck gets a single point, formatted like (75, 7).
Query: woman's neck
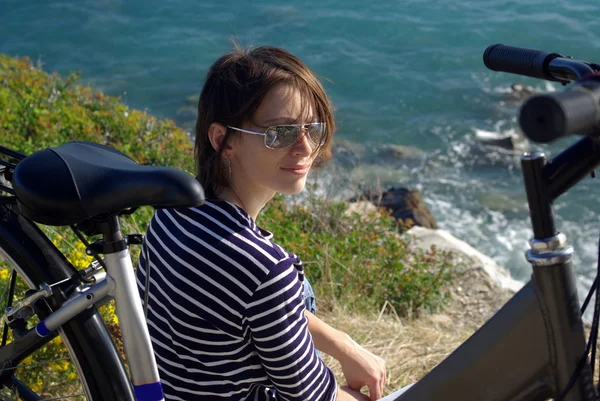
(251, 203)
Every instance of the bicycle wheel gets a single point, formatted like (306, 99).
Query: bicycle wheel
(81, 363)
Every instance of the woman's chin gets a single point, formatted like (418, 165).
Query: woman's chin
(293, 189)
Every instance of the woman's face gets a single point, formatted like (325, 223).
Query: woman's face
(274, 170)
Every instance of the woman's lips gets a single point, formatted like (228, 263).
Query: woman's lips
(299, 170)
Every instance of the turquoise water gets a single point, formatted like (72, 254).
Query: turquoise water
(407, 73)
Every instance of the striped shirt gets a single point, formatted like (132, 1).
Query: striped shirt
(226, 310)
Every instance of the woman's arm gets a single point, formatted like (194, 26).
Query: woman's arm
(360, 367)
(346, 394)
(279, 334)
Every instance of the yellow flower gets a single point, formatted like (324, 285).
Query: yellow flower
(111, 313)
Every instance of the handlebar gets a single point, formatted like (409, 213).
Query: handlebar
(536, 64)
(544, 118)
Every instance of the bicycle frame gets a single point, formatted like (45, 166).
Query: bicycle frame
(119, 283)
(531, 348)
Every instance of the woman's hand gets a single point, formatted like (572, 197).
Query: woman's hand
(360, 367)
(363, 368)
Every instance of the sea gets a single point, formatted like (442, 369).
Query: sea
(406, 73)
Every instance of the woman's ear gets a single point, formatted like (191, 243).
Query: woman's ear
(216, 135)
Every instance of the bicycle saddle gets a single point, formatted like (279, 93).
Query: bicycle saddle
(80, 180)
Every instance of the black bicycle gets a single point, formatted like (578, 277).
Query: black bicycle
(534, 348)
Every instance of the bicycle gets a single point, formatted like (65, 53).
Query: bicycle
(88, 187)
(534, 347)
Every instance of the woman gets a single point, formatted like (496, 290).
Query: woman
(226, 310)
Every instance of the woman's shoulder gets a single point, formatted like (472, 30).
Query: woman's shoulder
(211, 217)
(225, 229)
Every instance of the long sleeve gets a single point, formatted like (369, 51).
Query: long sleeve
(280, 335)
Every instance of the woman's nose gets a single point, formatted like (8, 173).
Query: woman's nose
(303, 143)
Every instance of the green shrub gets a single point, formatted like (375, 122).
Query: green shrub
(41, 110)
(354, 262)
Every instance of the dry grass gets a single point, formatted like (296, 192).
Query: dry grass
(410, 348)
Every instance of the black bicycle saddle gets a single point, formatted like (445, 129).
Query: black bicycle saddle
(81, 180)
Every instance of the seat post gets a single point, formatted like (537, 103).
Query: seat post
(112, 237)
(134, 330)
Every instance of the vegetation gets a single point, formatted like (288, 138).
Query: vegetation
(354, 263)
(357, 263)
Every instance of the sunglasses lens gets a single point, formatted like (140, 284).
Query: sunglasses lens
(316, 133)
(281, 136)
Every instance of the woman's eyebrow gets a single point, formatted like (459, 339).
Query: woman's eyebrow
(285, 120)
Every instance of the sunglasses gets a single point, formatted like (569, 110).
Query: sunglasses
(284, 136)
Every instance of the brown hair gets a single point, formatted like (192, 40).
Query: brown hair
(234, 88)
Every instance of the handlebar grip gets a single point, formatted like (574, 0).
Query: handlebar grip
(516, 60)
(544, 118)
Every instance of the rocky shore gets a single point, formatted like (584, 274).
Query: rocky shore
(480, 290)
(482, 285)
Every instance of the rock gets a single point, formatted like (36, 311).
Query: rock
(370, 176)
(519, 92)
(424, 238)
(481, 287)
(395, 157)
(395, 153)
(505, 142)
(404, 204)
(351, 153)
(363, 208)
(510, 141)
(346, 152)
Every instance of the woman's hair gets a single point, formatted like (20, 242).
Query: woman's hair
(233, 90)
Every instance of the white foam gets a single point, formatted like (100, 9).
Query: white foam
(488, 135)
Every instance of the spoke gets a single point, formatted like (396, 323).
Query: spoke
(48, 391)
(18, 389)
(64, 397)
(11, 294)
(7, 283)
(30, 365)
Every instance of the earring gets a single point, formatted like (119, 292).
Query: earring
(229, 168)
